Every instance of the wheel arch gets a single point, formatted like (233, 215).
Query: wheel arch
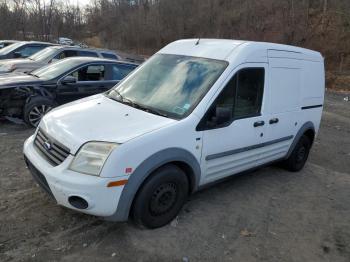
(308, 129)
(39, 91)
(182, 158)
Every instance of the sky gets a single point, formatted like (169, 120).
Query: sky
(80, 2)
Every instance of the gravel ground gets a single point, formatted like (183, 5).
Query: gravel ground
(267, 215)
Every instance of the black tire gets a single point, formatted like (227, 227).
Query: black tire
(298, 157)
(36, 108)
(161, 197)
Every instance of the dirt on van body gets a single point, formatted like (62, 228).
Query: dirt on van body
(267, 215)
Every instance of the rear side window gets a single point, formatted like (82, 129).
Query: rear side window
(109, 56)
(241, 98)
(90, 73)
(87, 53)
(120, 71)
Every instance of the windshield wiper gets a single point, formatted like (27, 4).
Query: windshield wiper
(121, 99)
(149, 110)
(32, 75)
(128, 101)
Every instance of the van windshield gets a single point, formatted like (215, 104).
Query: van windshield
(169, 85)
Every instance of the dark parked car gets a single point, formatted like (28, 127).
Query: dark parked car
(4, 43)
(30, 96)
(22, 49)
(49, 55)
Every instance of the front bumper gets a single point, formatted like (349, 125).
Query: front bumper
(62, 183)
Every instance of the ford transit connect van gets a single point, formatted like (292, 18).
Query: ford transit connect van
(194, 113)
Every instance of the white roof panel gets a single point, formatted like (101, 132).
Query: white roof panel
(209, 48)
(223, 49)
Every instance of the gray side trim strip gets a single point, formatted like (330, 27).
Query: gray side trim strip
(145, 169)
(243, 149)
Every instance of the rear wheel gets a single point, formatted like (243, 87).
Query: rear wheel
(37, 107)
(298, 157)
(161, 197)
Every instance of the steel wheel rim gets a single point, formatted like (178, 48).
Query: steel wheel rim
(37, 113)
(301, 154)
(163, 199)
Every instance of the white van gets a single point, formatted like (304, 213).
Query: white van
(196, 112)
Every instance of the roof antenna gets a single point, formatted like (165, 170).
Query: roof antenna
(197, 43)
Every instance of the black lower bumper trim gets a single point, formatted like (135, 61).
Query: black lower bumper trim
(38, 177)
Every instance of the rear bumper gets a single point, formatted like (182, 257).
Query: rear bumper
(62, 184)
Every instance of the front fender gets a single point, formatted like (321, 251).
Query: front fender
(40, 91)
(145, 169)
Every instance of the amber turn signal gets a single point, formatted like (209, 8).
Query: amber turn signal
(117, 183)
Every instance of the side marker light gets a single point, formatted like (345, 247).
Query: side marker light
(117, 183)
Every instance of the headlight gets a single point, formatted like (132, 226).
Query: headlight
(91, 157)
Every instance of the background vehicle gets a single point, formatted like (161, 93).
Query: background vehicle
(50, 55)
(22, 49)
(196, 112)
(4, 43)
(65, 41)
(30, 96)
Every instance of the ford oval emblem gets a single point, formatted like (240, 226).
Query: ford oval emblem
(47, 145)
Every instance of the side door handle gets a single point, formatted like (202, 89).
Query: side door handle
(273, 121)
(259, 123)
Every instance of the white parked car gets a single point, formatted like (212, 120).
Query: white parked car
(65, 41)
(194, 113)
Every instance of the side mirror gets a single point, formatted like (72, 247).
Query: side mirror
(217, 117)
(53, 60)
(68, 80)
(223, 115)
(17, 55)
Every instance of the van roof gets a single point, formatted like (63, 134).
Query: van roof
(222, 49)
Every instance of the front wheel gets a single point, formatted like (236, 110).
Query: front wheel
(36, 108)
(299, 155)
(161, 197)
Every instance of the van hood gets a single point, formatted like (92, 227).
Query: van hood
(98, 118)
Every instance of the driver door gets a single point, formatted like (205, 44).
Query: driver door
(235, 124)
(90, 80)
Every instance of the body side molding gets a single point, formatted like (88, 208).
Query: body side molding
(243, 149)
(145, 169)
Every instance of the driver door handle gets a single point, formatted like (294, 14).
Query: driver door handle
(259, 123)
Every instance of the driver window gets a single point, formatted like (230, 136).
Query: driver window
(90, 73)
(240, 98)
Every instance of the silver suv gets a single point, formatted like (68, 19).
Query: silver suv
(50, 55)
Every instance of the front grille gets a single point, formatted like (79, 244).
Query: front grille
(52, 150)
(39, 178)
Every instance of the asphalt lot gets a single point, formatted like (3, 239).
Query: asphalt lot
(267, 215)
